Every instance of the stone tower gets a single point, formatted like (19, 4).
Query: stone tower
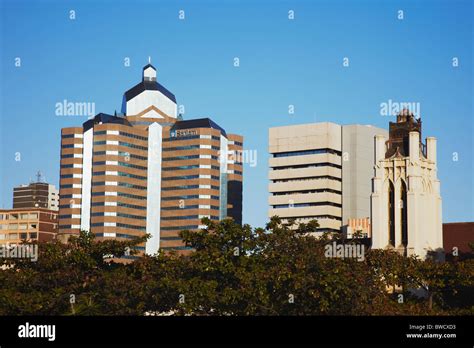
(406, 201)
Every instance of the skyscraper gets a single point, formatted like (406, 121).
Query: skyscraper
(406, 199)
(321, 171)
(147, 171)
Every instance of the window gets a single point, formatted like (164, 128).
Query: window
(22, 226)
(13, 227)
(33, 235)
(33, 216)
(23, 235)
(33, 226)
(306, 152)
(13, 236)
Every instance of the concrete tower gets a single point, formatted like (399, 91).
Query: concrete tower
(406, 200)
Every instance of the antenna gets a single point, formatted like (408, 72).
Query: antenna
(39, 176)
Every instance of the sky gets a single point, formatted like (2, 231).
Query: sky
(423, 55)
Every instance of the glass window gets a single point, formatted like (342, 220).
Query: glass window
(33, 235)
(23, 235)
(2, 236)
(33, 216)
(24, 216)
(13, 226)
(13, 216)
(22, 226)
(4, 227)
(33, 226)
(3, 216)
(13, 236)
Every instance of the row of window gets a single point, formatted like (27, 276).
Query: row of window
(327, 177)
(21, 216)
(175, 198)
(179, 228)
(170, 238)
(189, 157)
(313, 165)
(120, 235)
(190, 147)
(312, 204)
(193, 206)
(128, 175)
(121, 225)
(122, 164)
(121, 184)
(125, 134)
(22, 236)
(306, 152)
(192, 166)
(128, 216)
(121, 153)
(68, 155)
(187, 177)
(187, 217)
(317, 217)
(13, 227)
(202, 136)
(186, 187)
(120, 194)
(286, 193)
(121, 143)
(120, 204)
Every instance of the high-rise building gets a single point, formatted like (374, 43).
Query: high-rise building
(321, 171)
(147, 171)
(36, 195)
(406, 200)
(30, 224)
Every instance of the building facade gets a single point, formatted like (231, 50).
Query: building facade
(406, 200)
(456, 239)
(321, 171)
(36, 195)
(28, 224)
(147, 172)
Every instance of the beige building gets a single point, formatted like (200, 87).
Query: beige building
(406, 200)
(321, 171)
(33, 224)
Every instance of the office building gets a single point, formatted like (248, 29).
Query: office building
(36, 195)
(145, 171)
(406, 199)
(321, 171)
(28, 224)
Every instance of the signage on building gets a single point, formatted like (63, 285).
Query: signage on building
(186, 132)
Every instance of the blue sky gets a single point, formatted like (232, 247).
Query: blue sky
(282, 62)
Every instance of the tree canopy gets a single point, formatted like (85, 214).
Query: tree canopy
(233, 270)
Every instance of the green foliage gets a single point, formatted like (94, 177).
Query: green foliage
(233, 270)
